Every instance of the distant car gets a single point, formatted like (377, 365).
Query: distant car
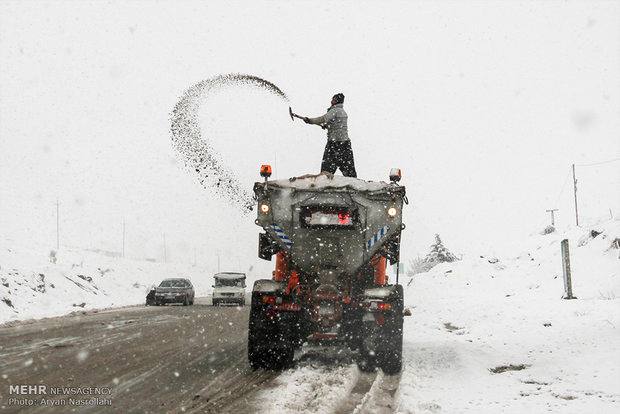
(229, 288)
(174, 291)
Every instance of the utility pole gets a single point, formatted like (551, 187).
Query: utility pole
(123, 238)
(552, 216)
(575, 192)
(57, 225)
(218, 262)
(165, 258)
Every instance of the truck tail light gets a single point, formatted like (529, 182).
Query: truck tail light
(379, 306)
(384, 306)
(268, 300)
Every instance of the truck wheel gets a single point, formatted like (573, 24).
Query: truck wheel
(390, 356)
(267, 348)
(382, 346)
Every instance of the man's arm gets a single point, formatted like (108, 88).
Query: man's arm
(316, 121)
(321, 120)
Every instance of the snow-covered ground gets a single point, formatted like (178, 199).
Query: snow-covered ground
(31, 286)
(474, 315)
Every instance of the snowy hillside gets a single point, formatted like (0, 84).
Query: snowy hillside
(492, 334)
(31, 286)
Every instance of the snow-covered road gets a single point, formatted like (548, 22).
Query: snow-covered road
(153, 359)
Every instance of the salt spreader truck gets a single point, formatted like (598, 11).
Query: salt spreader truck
(332, 237)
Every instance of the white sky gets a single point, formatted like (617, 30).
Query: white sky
(484, 105)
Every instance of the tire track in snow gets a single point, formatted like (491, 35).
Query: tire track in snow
(359, 394)
(308, 389)
(380, 396)
(233, 389)
(328, 383)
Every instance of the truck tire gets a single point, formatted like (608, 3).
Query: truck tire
(382, 346)
(267, 349)
(390, 356)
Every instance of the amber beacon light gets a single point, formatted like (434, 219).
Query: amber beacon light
(265, 171)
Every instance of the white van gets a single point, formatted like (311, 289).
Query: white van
(229, 287)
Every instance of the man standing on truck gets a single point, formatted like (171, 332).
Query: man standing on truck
(338, 152)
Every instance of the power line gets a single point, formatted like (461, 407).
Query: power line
(568, 173)
(598, 163)
(575, 181)
(563, 187)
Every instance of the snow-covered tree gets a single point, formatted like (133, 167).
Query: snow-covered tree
(439, 253)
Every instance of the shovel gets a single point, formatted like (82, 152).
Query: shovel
(293, 115)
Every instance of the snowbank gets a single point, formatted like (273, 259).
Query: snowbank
(492, 334)
(31, 286)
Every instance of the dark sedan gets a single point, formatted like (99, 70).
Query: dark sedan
(174, 291)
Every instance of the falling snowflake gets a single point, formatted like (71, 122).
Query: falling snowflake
(82, 355)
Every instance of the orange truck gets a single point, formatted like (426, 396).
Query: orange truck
(332, 238)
